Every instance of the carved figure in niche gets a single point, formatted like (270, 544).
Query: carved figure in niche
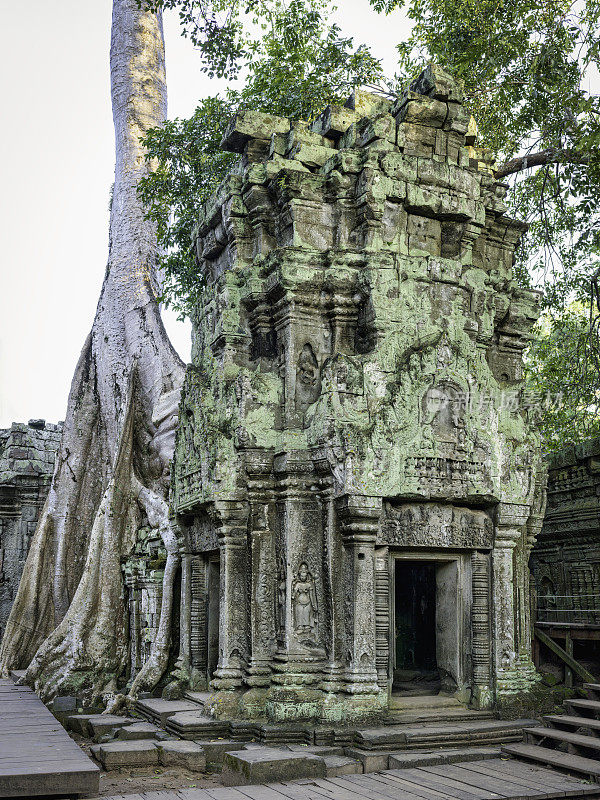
(304, 600)
(444, 410)
(281, 581)
(308, 384)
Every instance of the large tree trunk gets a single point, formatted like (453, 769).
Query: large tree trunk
(68, 622)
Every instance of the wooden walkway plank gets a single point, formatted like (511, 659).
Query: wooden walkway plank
(365, 788)
(441, 784)
(272, 791)
(225, 793)
(544, 792)
(418, 791)
(370, 784)
(37, 756)
(558, 781)
(492, 783)
(293, 791)
(502, 788)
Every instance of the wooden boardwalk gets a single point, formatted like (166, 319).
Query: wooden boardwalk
(37, 756)
(495, 779)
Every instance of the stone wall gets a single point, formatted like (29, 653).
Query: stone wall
(566, 557)
(27, 456)
(355, 397)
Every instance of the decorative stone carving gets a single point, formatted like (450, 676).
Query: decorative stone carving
(304, 600)
(444, 412)
(436, 525)
(308, 385)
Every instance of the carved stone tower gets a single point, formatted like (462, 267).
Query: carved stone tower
(354, 473)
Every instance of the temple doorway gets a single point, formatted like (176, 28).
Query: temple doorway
(427, 625)
(415, 667)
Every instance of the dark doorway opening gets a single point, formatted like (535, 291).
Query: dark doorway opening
(415, 664)
(212, 615)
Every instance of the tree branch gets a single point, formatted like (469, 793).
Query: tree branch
(552, 156)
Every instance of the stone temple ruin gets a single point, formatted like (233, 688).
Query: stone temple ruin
(27, 456)
(356, 482)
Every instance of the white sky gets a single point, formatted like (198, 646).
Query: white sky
(57, 162)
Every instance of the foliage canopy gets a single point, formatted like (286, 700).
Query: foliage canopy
(527, 67)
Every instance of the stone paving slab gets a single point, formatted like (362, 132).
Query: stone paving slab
(426, 758)
(140, 730)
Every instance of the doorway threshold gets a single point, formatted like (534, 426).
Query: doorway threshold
(431, 708)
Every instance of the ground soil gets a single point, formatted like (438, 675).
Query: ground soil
(130, 780)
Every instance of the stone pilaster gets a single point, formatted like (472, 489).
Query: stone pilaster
(359, 518)
(298, 663)
(231, 519)
(259, 465)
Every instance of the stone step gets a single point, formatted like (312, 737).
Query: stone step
(593, 690)
(555, 758)
(562, 737)
(158, 710)
(140, 730)
(587, 706)
(195, 725)
(286, 734)
(420, 702)
(443, 755)
(558, 720)
(433, 715)
(316, 750)
(197, 697)
(401, 737)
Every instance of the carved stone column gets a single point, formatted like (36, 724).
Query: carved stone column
(231, 519)
(359, 517)
(481, 630)
(333, 681)
(530, 534)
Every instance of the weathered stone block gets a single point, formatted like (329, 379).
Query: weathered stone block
(372, 761)
(337, 766)
(126, 754)
(438, 83)
(215, 751)
(267, 765)
(334, 121)
(422, 110)
(182, 754)
(247, 125)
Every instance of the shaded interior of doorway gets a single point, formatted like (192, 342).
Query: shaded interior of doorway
(415, 665)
